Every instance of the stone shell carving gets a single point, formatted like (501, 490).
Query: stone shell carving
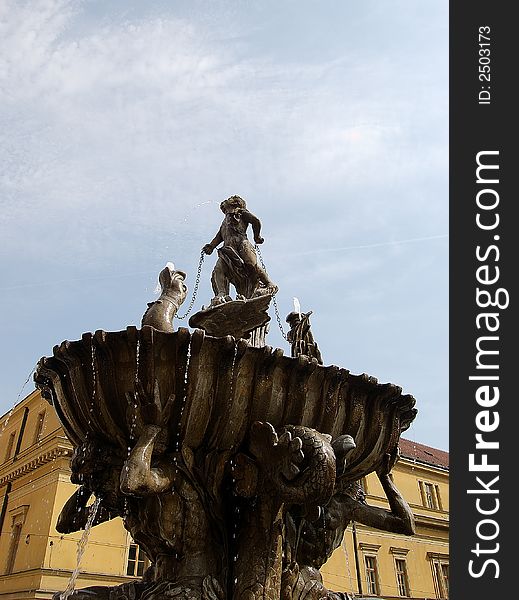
(219, 387)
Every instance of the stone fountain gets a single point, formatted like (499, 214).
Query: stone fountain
(234, 467)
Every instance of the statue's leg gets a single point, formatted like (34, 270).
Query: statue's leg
(219, 280)
(265, 279)
(256, 273)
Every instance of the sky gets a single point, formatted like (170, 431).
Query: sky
(124, 124)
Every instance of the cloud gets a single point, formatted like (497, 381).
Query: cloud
(124, 124)
(111, 130)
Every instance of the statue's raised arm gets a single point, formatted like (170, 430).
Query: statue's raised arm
(255, 223)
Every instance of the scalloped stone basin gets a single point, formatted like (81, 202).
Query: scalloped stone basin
(220, 387)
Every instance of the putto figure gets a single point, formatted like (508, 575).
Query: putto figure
(237, 262)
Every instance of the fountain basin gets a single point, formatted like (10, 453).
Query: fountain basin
(218, 388)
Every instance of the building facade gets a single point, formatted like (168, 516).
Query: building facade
(36, 561)
(375, 563)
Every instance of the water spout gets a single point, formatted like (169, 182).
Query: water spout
(297, 307)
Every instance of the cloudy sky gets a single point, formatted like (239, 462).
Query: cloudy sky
(123, 124)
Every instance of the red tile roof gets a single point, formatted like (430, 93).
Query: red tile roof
(424, 454)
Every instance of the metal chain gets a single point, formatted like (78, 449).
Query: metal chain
(278, 318)
(195, 288)
(276, 310)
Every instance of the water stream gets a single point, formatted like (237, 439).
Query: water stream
(236, 520)
(348, 568)
(81, 547)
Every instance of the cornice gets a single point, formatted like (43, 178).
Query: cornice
(433, 522)
(34, 457)
(406, 461)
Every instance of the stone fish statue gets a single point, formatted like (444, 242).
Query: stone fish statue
(161, 312)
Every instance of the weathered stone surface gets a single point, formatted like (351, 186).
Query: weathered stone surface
(237, 262)
(160, 312)
(237, 318)
(234, 467)
(232, 449)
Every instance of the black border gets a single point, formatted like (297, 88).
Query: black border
(473, 128)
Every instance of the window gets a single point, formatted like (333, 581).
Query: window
(442, 579)
(438, 497)
(10, 444)
(440, 568)
(371, 574)
(138, 562)
(39, 427)
(370, 566)
(445, 577)
(18, 519)
(16, 532)
(401, 577)
(430, 494)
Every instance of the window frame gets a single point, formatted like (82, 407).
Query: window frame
(400, 554)
(430, 490)
(40, 423)
(10, 445)
(402, 577)
(139, 563)
(372, 583)
(369, 552)
(18, 515)
(441, 582)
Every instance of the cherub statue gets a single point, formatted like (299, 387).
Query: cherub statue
(237, 262)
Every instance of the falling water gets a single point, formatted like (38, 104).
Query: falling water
(236, 507)
(137, 358)
(184, 400)
(158, 287)
(6, 422)
(347, 556)
(134, 400)
(133, 405)
(187, 216)
(94, 378)
(81, 547)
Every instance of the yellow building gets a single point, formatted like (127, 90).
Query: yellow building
(375, 563)
(36, 561)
